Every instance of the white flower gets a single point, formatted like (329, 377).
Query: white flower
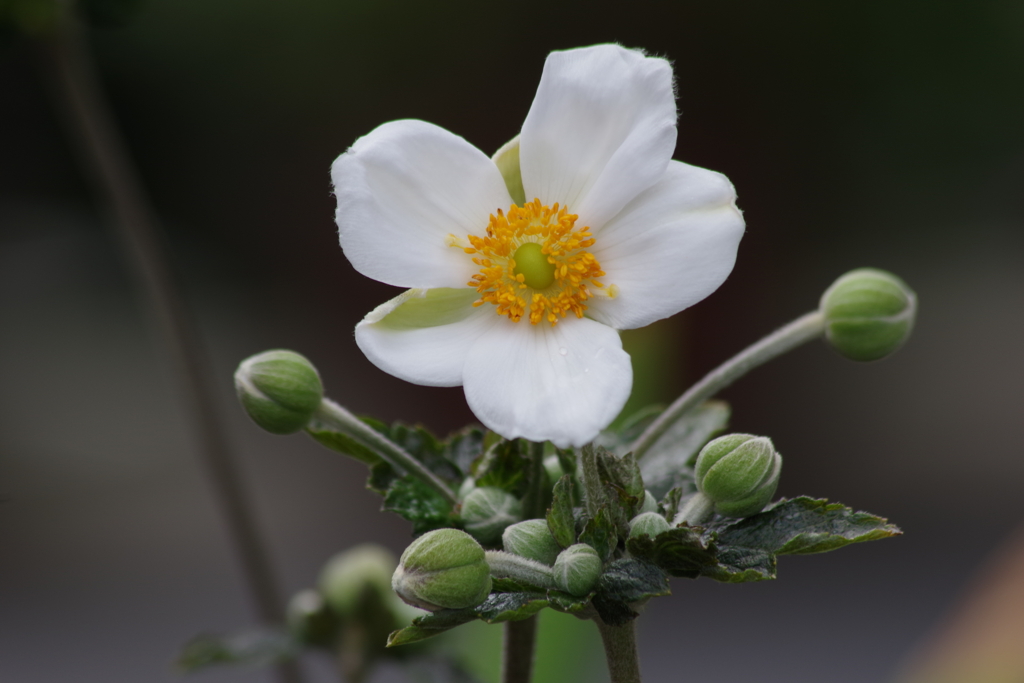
(619, 236)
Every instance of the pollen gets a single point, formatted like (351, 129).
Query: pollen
(534, 264)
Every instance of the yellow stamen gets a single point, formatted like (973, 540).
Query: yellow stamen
(560, 289)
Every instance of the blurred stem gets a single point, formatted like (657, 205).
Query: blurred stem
(521, 636)
(517, 658)
(104, 154)
(620, 650)
(338, 417)
(802, 330)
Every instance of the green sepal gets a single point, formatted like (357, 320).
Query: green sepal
(560, 516)
(625, 583)
(681, 552)
(504, 466)
(252, 647)
(599, 533)
(669, 461)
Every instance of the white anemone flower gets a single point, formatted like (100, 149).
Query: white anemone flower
(525, 266)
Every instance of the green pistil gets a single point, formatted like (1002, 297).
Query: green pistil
(533, 265)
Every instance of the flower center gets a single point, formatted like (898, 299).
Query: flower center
(534, 263)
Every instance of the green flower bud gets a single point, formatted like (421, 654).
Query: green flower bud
(443, 569)
(311, 620)
(868, 314)
(577, 569)
(279, 389)
(739, 473)
(649, 523)
(487, 510)
(358, 579)
(650, 503)
(531, 539)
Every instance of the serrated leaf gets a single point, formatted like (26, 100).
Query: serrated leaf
(669, 461)
(498, 607)
(616, 483)
(426, 448)
(560, 517)
(423, 506)
(599, 533)
(504, 466)
(747, 547)
(465, 446)
(670, 503)
(625, 583)
(681, 552)
(254, 647)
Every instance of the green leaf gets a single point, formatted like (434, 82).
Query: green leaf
(504, 466)
(619, 438)
(341, 443)
(599, 533)
(669, 462)
(681, 551)
(465, 446)
(254, 647)
(747, 547)
(624, 584)
(560, 517)
(426, 448)
(670, 503)
(420, 504)
(498, 607)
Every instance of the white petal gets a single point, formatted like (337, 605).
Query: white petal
(423, 336)
(563, 383)
(601, 130)
(401, 191)
(669, 248)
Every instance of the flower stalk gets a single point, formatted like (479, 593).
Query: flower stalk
(620, 649)
(800, 331)
(341, 419)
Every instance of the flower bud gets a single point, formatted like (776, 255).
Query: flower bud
(443, 569)
(650, 503)
(487, 510)
(279, 389)
(311, 620)
(649, 523)
(739, 473)
(577, 569)
(357, 579)
(868, 314)
(531, 539)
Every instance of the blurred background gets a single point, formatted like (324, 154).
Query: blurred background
(881, 133)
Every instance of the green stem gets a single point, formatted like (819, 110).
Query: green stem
(508, 565)
(334, 415)
(697, 510)
(517, 656)
(800, 331)
(521, 636)
(620, 650)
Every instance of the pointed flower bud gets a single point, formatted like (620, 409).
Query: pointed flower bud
(487, 510)
(868, 314)
(650, 503)
(279, 389)
(648, 523)
(577, 569)
(738, 473)
(531, 539)
(443, 569)
(358, 579)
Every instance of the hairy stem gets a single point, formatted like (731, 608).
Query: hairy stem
(620, 650)
(800, 331)
(697, 510)
(334, 415)
(508, 565)
(104, 155)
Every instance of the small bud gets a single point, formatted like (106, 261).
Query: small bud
(279, 389)
(358, 579)
(577, 569)
(649, 523)
(311, 620)
(443, 569)
(739, 473)
(487, 510)
(650, 503)
(531, 539)
(868, 314)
